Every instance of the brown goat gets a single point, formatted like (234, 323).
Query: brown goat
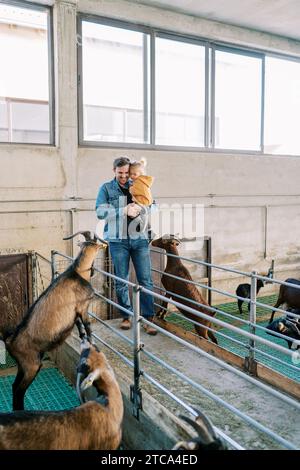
(90, 426)
(182, 288)
(50, 320)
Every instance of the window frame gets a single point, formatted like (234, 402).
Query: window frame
(210, 47)
(51, 81)
(186, 40)
(122, 25)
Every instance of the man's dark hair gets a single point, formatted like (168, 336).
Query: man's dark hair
(121, 161)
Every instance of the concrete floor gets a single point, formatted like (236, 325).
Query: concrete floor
(272, 412)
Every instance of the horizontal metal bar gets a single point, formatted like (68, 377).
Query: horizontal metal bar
(198, 284)
(111, 302)
(279, 310)
(124, 358)
(211, 329)
(217, 322)
(274, 333)
(204, 263)
(221, 312)
(224, 365)
(201, 315)
(43, 258)
(111, 328)
(226, 438)
(98, 270)
(226, 405)
(275, 281)
(174, 397)
(113, 276)
(276, 359)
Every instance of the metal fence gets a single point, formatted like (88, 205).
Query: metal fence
(251, 342)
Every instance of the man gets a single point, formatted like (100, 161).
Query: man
(114, 204)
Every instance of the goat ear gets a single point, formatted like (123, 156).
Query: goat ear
(90, 379)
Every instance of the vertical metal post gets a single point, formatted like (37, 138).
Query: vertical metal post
(251, 364)
(34, 277)
(135, 390)
(209, 268)
(53, 265)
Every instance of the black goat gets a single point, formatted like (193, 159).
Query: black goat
(288, 295)
(288, 326)
(244, 290)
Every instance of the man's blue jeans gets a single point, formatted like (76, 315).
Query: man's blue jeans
(138, 251)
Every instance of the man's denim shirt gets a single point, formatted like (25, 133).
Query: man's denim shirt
(110, 204)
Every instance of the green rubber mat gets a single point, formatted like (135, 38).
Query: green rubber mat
(285, 369)
(9, 362)
(262, 314)
(231, 308)
(49, 391)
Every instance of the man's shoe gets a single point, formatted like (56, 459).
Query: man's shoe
(149, 329)
(125, 324)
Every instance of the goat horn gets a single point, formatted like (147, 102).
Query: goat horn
(206, 421)
(202, 426)
(88, 235)
(79, 378)
(100, 239)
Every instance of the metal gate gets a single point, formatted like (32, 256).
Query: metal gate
(15, 287)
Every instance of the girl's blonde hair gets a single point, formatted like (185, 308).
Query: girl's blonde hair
(139, 163)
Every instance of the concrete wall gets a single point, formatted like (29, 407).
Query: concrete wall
(252, 203)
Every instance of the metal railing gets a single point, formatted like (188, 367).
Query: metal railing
(138, 348)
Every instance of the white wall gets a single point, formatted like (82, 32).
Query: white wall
(252, 203)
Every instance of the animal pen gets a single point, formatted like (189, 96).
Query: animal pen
(248, 384)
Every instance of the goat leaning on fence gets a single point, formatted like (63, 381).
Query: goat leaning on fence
(90, 426)
(50, 320)
(182, 288)
(206, 438)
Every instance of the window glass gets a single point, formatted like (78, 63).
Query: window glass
(115, 79)
(282, 106)
(179, 93)
(237, 101)
(24, 77)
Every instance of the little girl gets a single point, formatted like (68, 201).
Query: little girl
(140, 191)
(141, 184)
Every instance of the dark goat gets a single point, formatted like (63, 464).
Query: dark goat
(182, 288)
(50, 320)
(206, 438)
(288, 326)
(93, 425)
(288, 295)
(244, 290)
